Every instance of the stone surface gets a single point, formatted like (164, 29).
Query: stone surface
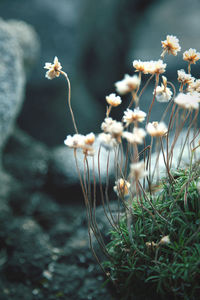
(14, 53)
(26, 160)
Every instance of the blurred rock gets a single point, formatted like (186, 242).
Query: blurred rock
(26, 160)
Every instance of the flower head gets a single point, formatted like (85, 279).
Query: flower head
(121, 187)
(187, 101)
(137, 170)
(170, 45)
(75, 141)
(128, 84)
(185, 78)
(163, 94)
(53, 69)
(107, 141)
(137, 136)
(191, 56)
(156, 129)
(165, 240)
(113, 127)
(113, 100)
(194, 86)
(131, 116)
(149, 67)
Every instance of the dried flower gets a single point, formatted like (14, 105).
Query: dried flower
(185, 78)
(165, 240)
(53, 69)
(137, 170)
(150, 67)
(113, 100)
(131, 116)
(121, 187)
(191, 56)
(156, 129)
(107, 141)
(187, 101)
(170, 45)
(113, 127)
(137, 136)
(194, 86)
(163, 94)
(89, 139)
(75, 141)
(128, 84)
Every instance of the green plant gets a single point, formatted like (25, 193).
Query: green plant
(155, 236)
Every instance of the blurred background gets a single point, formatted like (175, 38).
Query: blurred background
(41, 205)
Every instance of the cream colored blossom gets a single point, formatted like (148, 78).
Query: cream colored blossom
(165, 240)
(163, 94)
(137, 170)
(113, 127)
(156, 129)
(131, 116)
(151, 244)
(53, 69)
(137, 136)
(113, 100)
(128, 84)
(150, 67)
(170, 45)
(187, 101)
(107, 141)
(89, 139)
(122, 187)
(194, 86)
(191, 56)
(185, 78)
(75, 141)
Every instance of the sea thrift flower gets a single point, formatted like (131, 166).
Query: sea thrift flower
(113, 127)
(53, 69)
(194, 86)
(113, 100)
(89, 139)
(185, 78)
(131, 116)
(163, 94)
(107, 141)
(155, 67)
(140, 66)
(165, 240)
(191, 56)
(156, 129)
(137, 170)
(75, 141)
(170, 45)
(121, 188)
(128, 84)
(137, 136)
(187, 101)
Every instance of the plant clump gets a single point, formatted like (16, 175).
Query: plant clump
(154, 243)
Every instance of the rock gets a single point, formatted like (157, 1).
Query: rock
(26, 159)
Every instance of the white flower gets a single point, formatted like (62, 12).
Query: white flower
(75, 141)
(165, 240)
(187, 101)
(191, 56)
(163, 94)
(113, 100)
(150, 67)
(53, 69)
(121, 187)
(113, 127)
(185, 78)
(137, 170)
(135, 115)
(128, 84)
(156, 129)
(107, 141)
(137, 136)
(194, 86)
(171, 45)
(89, 139)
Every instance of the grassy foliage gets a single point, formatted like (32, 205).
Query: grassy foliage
(172, 268)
